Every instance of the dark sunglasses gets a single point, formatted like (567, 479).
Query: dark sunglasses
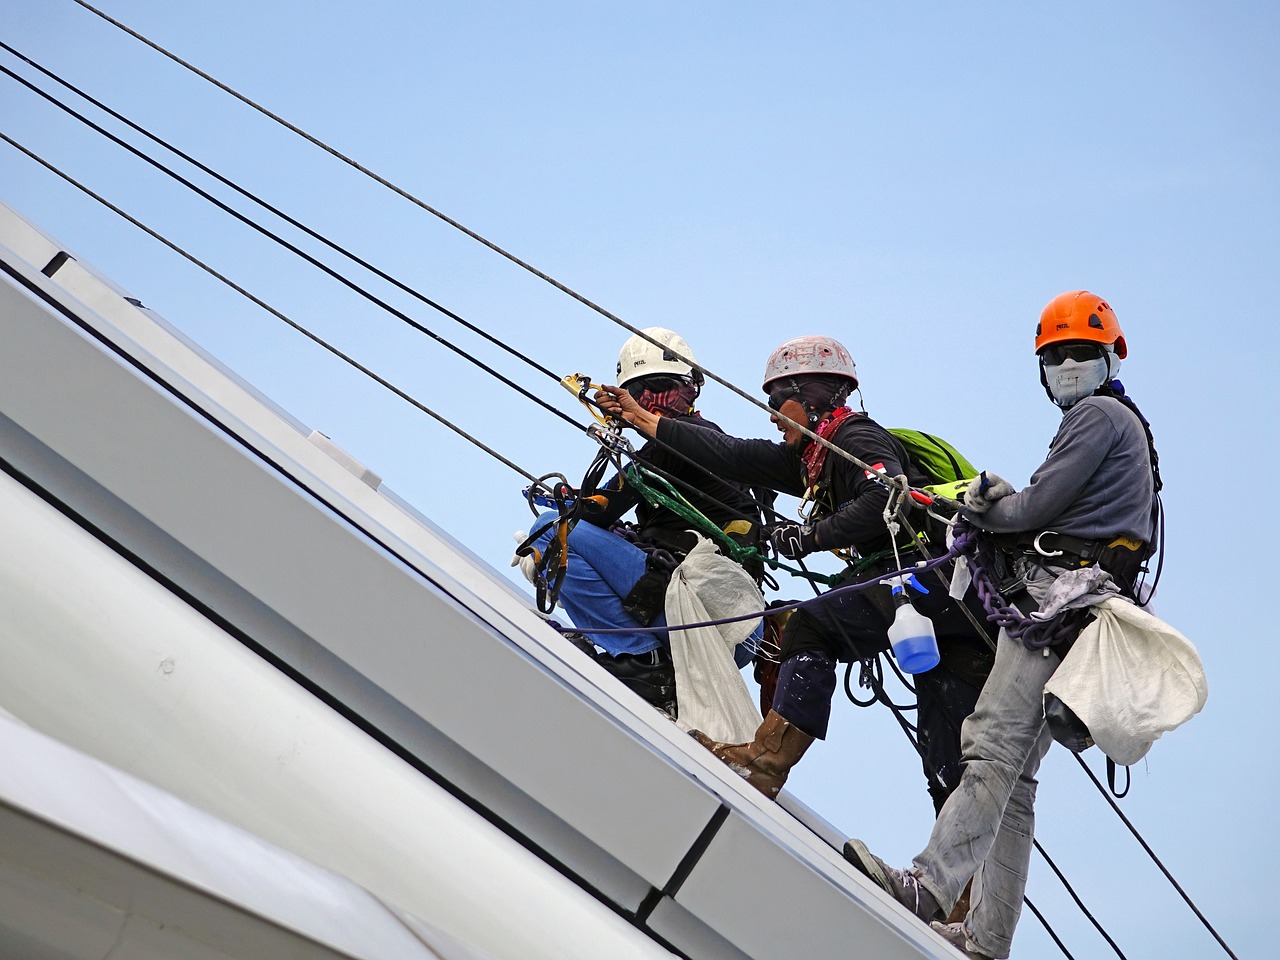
(1057, 353)
(780, 396)
(654, 385)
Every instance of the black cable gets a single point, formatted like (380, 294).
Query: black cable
(324, 268)
(765, 508)
(294, 249)
(1079, 903)
(1048, 929)
(399, 191)
(274, 312)
(356, 288)
(497, 249)
(1151, 853)
(315, 235)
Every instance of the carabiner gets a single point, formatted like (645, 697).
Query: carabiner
(1041, 550)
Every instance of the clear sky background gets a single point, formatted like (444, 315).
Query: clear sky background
(915, 180)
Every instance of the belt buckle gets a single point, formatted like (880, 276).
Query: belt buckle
(1041, 550)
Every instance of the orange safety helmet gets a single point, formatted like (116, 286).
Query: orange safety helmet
(1080, 315)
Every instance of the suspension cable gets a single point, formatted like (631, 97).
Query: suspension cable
(293, 222)
(1155, 859)
(456, 225)
(296, 250)
(274, 312)
(1079, 903)
(563, 288)
(765, 508)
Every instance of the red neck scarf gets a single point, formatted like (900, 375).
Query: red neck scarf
(815, 454)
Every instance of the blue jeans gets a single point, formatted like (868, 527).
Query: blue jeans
(602, 569)
(986, 826)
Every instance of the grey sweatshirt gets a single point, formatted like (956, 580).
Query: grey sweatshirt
(1096, 482)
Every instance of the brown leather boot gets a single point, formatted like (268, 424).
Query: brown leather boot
(765, 761)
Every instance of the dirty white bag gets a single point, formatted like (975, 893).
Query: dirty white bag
(1130, 677)
(710, 691)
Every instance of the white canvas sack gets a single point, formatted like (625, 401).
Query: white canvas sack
(1130, 677)
(711, 694)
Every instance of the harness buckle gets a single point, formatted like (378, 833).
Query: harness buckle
(1041, 550)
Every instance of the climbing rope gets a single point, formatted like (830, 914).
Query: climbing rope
(404, 194)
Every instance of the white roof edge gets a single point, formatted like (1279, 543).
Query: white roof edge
(267, 453)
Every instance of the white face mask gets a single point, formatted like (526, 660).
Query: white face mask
(1072, 380)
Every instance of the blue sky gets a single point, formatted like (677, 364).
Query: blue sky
(916, 181)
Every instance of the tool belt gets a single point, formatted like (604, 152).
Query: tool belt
(1122, 557)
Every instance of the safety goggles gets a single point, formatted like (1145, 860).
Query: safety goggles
(655, 384)
(1057, 353)
(780, 395)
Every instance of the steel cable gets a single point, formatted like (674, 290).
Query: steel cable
(274, 312)
(401, 192)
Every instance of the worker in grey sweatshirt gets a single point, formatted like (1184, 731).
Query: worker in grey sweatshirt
(1092, 503)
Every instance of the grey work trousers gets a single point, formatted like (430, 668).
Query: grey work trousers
(985, 828)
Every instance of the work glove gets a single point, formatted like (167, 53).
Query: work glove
(985, 490)
(528, 564)
(792, 540)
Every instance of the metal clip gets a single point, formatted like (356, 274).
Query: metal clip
(609, 436)
(1041, 550)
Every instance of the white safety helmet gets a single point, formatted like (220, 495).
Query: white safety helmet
(640, 358)
(811, 354)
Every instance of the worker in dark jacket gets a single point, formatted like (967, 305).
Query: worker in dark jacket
(808, 380)
(1091, 503)
(616, 574)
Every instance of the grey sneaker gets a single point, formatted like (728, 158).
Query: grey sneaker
(954, 934)
(903, 885)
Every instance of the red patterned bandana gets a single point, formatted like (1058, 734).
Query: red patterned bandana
(815, 454)
(670, 403)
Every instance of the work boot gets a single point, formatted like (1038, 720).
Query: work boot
(651, 675)
(903, 885)
(765, 761)
(954, 934)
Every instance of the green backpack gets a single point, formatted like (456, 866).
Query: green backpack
(946, 466)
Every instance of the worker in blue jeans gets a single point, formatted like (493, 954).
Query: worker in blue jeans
(617, 574)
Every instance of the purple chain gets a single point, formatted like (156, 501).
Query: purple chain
(1033, 634)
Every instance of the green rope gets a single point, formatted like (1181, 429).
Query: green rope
(647, 484)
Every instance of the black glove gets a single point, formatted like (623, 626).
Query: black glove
(792, 540)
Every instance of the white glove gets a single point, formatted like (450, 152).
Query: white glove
(529, 562)
(985, 490)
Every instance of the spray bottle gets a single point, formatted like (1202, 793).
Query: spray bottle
(915, 645)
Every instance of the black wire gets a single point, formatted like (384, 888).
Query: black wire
(1151, 853)
(351, 256)
(765, 508)
(1079, 903)
(1048, 929)
(479, 331)
(274, 312)
(399, 191)
(294, 249)
(457, 225)
(877, 688)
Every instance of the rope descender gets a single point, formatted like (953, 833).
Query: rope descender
(578, 384)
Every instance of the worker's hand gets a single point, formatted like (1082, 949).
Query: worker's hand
(616, 402)
(985, 490)
(528, 564)
(792, 540)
